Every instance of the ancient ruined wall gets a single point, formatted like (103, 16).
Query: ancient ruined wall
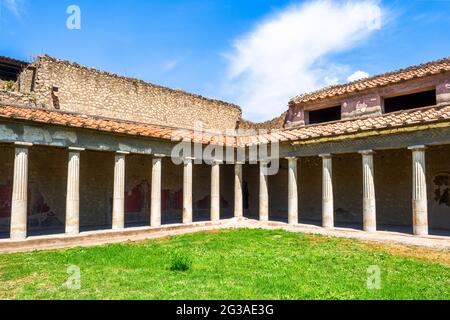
(438, 185)
(276, 123)
(70, 87)
(6, 178)
(250, 178)
(96, 189)
(13, 97)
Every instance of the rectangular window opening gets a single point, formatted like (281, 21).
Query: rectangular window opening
(325, 115)
(410, 101)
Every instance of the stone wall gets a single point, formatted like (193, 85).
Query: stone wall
(71, 87)
(17, 98)
(276, 123)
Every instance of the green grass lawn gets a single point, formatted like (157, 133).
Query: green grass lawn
(237, 264)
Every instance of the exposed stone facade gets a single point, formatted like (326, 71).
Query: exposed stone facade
(70, 87)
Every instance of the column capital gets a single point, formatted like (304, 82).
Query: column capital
(240, 162)
(124, 153)
(366, 152)
(23, 144)
(216, 162)
(417, 148)
(291, 158)
(76, 149)
(159, 155)
(326, 155)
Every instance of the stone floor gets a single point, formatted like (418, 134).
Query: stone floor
(98, 237)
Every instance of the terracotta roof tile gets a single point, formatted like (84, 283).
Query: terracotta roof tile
(419, 71)
(345, 127)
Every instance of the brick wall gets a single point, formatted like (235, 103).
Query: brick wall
(70, 87)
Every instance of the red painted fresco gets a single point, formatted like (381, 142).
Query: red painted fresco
(133, 200)
(178, 200)
(5, 201)
(165, 199)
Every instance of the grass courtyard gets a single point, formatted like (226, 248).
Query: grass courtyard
(236, 264)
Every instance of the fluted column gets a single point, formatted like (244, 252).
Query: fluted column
(119, 192)
(369, 203)
(238, 195)
(419, 196)
(263, 192)
(327, 191)
(187, 191)
(215, 191)
(20, 190)
(73, 192)
(155, 215)
(292, 191)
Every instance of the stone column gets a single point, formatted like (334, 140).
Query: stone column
(187, 191)
(119, 192)
(155, 215)
(419, 196)
(292, 191)
(215, 191)
(73, 192)
(238, 194)
(20, 190)
(327, 192)
(263, 192)
(369, 203)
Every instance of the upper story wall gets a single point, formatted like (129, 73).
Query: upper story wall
(367, 97)
(70, 87)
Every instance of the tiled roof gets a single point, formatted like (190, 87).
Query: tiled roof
(419, 71)
(396, 120)
(9, 60)
(345, 128)
(75, 120)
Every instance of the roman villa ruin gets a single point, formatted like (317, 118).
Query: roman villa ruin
(87, 157)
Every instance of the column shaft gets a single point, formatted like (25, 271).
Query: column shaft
(187, 191)
(155, 215)
(419, 196)
(119, 193)
(238, 195)
(19, 196)
(369, 203)
(293, 192)
(73, 194)
(327, 192)
(263, 193)
(215, 192)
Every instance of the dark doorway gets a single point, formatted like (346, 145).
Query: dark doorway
(325, 115)
(410, 101)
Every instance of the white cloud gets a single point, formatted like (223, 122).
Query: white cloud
(169, 65)
(286, 53)
(12, 6)
(358, 75)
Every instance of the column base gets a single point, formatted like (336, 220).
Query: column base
(72, 231)
(22, 235)
(421, 231)
(370, 229)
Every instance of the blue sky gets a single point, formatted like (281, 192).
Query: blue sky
(255, 53)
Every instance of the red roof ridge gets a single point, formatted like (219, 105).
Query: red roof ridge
(391, 77)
